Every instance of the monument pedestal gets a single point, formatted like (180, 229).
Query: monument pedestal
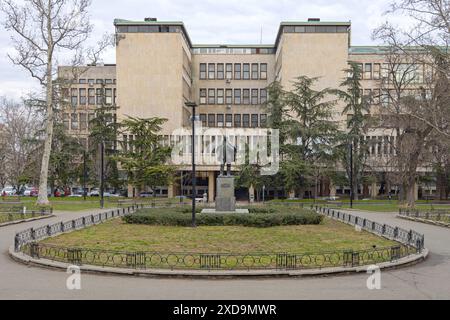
(225, 200)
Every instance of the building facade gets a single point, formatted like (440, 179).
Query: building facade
(158, 69)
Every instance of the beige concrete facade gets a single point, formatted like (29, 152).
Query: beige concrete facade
(159, 69)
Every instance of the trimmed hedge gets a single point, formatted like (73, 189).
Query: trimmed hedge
(258, 220)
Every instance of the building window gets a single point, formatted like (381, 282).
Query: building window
(229, 71)
(202, 71)
(263, 71)
(376, 96)
(220, 120)
(82, 81)
(82, 97)
(99, 81)
(211, 96)
(255, 119)
(237, 71)
(74, 121)
(237, 96)
(229, 120)
(237, 120)
(74, 97)
(246, 120)
(229, 96)
(91, 82)
(211, 120)
(220, 71)
(263, 120)
(91, 95)
(99, 96)
(246, 73)
(220, 96)
(108, 96)
(91, 117)
(66, 121)
(255, 71)
(203, 119)
(108, 81)
(368, 71)
(83, 121)
(211, 71)
(255, 96)
(202, 96)
(376, 71)
(263, 93)
(246, 96)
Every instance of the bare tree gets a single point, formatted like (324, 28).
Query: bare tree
(414, 102)
(44, 30)
(20, 127)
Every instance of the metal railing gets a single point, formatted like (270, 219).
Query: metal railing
(409, 243)
(22, 214)
(36, 234)
(406, 237)
(435, 215)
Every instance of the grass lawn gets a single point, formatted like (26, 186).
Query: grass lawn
(116, 235)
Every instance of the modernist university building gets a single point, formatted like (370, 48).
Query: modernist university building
(159, 69)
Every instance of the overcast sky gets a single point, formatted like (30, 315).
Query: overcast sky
(212, 22)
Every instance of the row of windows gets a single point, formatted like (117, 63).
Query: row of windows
(238, 71)
(404, 73)
(233, 120)
(316, 29)
(234, 50)
(96, 81)
(147, 29)
(233, 96)
(92, 96)
(81, 121)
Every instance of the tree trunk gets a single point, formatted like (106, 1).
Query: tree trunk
(411, 193)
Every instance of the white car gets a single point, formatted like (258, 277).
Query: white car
(94, 193)
(9, 191)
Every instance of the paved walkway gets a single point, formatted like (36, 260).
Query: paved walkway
(428, 280)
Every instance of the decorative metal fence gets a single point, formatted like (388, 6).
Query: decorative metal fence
(406, 237)
(435, 215)
(22, 214)
(36, 234)
(409, 242)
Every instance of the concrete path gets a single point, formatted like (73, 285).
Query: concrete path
(428, 280)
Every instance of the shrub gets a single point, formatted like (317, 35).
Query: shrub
(259, 220)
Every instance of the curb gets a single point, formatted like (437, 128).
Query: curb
(6, 224)
(430, 222)
(161, 273)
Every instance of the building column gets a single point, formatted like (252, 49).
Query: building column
(332, 189)
(130, 191)
(211, 186)
(416, 191)
(251, 194)
(171, 192)
(374, 191)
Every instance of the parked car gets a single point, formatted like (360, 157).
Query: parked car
(9, 191)
(145, 194)
(94, 193)
(31, 192)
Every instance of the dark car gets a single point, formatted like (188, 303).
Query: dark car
(146, 194)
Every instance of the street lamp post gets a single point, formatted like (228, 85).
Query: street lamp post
(193, 105)
(102, 175)
(351, 175)
(84, 175)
